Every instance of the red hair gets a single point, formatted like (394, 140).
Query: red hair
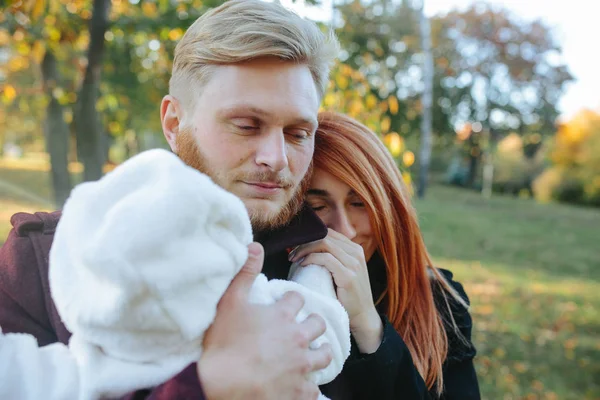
(355, 155)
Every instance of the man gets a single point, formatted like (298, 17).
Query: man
(247, 81)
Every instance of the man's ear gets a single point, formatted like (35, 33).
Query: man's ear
(171, 116)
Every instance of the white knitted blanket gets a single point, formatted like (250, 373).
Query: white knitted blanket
(140, 260)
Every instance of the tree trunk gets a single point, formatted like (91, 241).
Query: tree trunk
(88, 125)
(56, 134)
(487, 148)
(472, 173)
(427, 100)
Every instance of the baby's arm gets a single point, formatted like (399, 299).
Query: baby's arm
(31, 372)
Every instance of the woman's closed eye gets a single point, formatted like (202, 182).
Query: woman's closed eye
(317, 207)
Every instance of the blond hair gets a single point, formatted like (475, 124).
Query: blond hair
(244, 30)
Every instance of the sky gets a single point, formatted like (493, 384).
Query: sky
(576, 26)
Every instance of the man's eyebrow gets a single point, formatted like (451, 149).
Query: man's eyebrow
(262, 113)
(243, 108)
(318, 192)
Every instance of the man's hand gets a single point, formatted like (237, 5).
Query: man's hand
(260, 352)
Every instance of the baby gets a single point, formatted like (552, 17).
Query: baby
(139, 262)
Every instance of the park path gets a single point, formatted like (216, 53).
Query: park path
(14, 190)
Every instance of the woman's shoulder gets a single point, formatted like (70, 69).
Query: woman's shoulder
(456, 316)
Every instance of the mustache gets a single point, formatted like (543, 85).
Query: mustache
(272, 177)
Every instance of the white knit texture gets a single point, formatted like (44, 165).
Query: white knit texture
(139, 262)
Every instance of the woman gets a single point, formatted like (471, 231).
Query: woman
(411, 330)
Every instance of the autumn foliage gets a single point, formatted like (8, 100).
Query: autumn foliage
(575, 156)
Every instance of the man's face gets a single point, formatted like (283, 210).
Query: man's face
(252, 132)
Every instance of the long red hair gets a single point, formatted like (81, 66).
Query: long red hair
(356, 156)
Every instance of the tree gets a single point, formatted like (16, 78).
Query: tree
(427, 99)
(56, 133)
(349, 92)
(575, 155)
(512, 69)
(380, 39)
(41, 80)
(89, 130)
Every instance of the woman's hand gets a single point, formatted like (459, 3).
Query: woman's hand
(346, 262)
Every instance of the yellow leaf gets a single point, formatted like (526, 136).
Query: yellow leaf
(385, 124)
(393, 103)
(114, 127)
(23, 48)
(329, 100)
(52, 33)
(4, 37)
(149, 9)
(37, 51)
(408, 158)
(68, 116)
(38, 9)
(499, 353)
(342, 82)
(9, 93)
(175, 34)
(346, 70)
(383, 106)
(520, 367)
(407, 178)
(18, 35)
(355, 108)
(537, 385)
(394, 143)
(112, 102)
(50, 20)
(18, 63)
(371, 101)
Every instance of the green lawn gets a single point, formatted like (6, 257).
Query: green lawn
(532, 272)
(533, 275)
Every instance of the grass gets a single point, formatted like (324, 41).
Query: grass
(532, 272)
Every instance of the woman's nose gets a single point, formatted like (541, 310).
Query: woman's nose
(344, 225)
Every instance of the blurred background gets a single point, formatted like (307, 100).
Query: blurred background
(491, 109)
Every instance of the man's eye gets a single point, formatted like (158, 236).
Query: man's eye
(247, 127)
(299, 134)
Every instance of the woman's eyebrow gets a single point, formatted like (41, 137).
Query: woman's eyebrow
(318, 192)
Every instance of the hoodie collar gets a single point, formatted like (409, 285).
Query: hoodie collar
(305, 227)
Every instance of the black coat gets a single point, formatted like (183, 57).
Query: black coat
(389, 373)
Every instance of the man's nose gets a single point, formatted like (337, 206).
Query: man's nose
(272, 151)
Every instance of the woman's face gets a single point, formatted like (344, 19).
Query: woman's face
(341, 209)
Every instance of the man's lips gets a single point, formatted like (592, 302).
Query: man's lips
(266, 185)
(262, 189)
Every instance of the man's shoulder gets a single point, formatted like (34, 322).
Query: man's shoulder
(26, 223)
(26, 304)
